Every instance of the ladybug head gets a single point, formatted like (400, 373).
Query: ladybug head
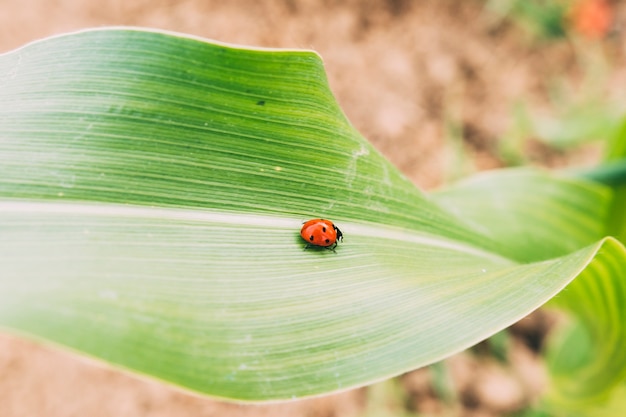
(339, 234)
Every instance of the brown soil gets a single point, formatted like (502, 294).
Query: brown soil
(407, 74)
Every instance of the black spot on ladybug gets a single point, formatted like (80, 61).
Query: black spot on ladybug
(327, 240)
(311, 238)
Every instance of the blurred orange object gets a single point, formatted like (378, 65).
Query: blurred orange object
(592, 18)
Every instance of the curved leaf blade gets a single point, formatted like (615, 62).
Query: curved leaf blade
(235, 331)
(586, 377)
(536, 216)
(151, 192)
(187, 117)
(523, 210)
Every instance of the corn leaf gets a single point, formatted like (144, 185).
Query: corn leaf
(152, 188)
(525, 211)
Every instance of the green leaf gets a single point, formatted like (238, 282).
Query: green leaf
(613, 174)
(581, 123)
(588, 360)
(531, 214)
(524, 210)
(616, 157)
(152, 188)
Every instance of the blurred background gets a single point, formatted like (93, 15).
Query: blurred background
(444, 89)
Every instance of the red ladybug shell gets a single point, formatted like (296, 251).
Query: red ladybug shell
(320, 232)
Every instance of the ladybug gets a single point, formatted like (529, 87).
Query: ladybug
(320, 232)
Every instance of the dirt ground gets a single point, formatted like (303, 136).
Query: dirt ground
(405, 72)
